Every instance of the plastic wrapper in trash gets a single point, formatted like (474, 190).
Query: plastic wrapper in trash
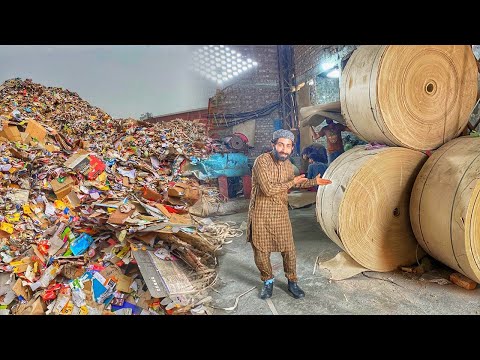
(81, 244)
(50, 273)
(79, 297)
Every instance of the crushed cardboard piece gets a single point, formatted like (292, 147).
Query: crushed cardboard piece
(21, 290)
(119, 218)
(152, 195)
(36, 130)
(181, 219)
(342, 266)
(12, 133)
(33, 307)
(164, 210)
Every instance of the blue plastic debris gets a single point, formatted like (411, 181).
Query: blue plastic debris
(81, 244)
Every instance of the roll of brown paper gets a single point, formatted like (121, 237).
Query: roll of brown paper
(418, 97)
(365, 210)
(445, 206)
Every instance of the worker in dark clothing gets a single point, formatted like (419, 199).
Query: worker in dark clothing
(319, 149)
(316, 165)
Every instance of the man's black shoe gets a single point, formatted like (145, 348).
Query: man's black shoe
(295, 290)
(267, 290)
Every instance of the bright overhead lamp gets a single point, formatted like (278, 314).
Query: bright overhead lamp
(327, 66)
(334, 74)
(220, 63)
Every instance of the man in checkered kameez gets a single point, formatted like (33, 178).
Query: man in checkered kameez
(269, 228)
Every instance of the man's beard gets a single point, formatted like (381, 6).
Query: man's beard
(279, 157)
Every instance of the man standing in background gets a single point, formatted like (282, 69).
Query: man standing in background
(333, 133)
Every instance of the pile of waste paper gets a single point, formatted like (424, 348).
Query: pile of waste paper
(94, 212)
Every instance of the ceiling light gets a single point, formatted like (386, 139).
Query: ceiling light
(334, 74)
(327, 66)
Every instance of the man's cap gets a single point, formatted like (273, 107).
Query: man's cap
(287, 134)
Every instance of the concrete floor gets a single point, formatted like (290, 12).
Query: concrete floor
(389, 293)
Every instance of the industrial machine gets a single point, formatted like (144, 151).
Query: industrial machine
(237, 142)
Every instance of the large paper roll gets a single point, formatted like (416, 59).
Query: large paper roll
(365, 210)
(445, 206)
(418, 97)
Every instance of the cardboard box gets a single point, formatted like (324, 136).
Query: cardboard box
(73, 199)
(62, 189)
(78, 161)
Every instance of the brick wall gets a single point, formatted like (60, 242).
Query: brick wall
(253, 90)
(308, 65)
